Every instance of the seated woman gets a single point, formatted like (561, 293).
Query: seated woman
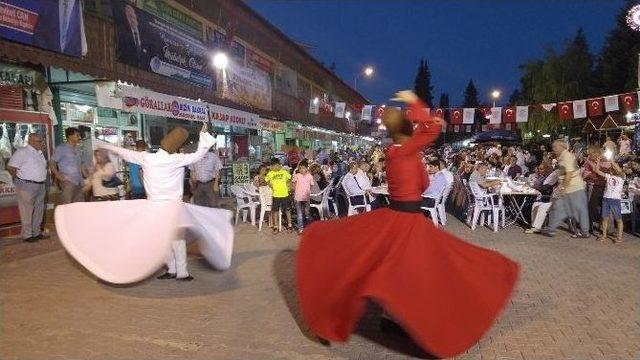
(259, 180)
(103, 171)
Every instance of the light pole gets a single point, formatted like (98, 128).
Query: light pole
(495, 95)
(367, 71)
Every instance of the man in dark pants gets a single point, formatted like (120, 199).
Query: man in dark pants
(204, 179)
(597, 184)
(28, 167)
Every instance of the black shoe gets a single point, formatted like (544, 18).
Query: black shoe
(547, 233)
(166, 276)
(324, 342)
(188, 278)
(31, 239)
(580, 236)
(41, 237)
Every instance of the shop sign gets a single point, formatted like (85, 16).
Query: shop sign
(248, 86)
(154, 44)
(270, 125)
(216, 40)
(175, 17)
(152, 103)
(286, 80)
(14, 75)
(256, 60)
(240, 172)
(7, 195)
(290, 127)
(224, 116)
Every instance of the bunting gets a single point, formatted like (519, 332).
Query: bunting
(566, 110)
(522, 114)
(468, 115)
(509, 114)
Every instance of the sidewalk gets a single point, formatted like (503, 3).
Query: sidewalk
(576, 300)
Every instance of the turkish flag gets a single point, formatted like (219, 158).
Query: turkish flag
(629, 101)
(456, 116)
(565, 111)
(439, 112)
(595, 107)
(509, 114)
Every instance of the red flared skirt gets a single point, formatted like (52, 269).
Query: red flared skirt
(446, 293)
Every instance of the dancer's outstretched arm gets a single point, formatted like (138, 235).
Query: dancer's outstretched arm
(127, 155)
(428, 128)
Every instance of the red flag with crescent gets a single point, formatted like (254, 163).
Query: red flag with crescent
(629, 101)
(456, 116)
(509, 114)
(565, 111)
(595, 107)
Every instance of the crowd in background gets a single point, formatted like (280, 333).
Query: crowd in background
(580, 184)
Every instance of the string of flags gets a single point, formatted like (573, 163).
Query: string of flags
(462, 119)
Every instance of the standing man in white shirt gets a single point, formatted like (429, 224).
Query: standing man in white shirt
(205, 178)
(28, 167)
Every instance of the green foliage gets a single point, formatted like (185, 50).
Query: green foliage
(422, 83)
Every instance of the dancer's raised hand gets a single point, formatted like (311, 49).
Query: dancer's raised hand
(406, 96)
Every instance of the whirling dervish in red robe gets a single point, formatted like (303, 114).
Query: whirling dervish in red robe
(444, 292)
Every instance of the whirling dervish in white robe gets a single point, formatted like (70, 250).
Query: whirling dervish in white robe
(127, 241)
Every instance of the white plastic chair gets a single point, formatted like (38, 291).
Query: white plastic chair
(482, 203)
(353, 209)
(442, 213)
(433, 211)
(266, 202)
(324, 202)
(244, 203)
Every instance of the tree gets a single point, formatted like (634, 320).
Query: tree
(515, 98)
(471, 96)
(616, 70)
(444, 100)
(422, 83)
(577, 64)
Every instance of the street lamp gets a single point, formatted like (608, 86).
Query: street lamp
(220, 60)
(368, 72)
(495, 94)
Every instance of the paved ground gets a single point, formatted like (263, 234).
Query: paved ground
(576, 300)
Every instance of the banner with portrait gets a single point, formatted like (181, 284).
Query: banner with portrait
(55, 25)
(247, 86)
(153, 44)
